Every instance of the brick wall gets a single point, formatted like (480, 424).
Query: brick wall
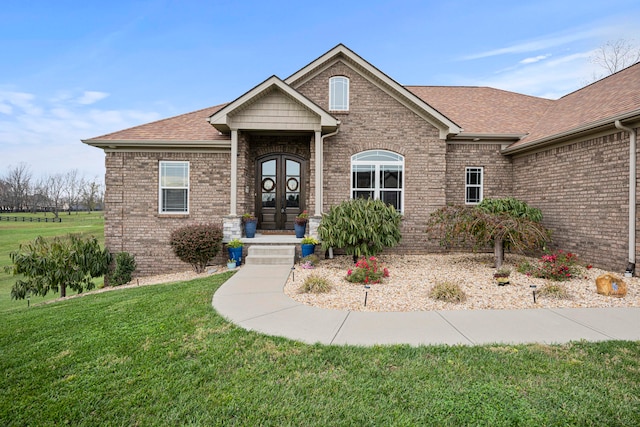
(376, 120)
(582, 189)
(132, 221)
(498, 170)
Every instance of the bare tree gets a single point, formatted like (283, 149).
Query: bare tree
(18, 185)
(613, 56)
(54, 188)
(92, 194)
(73, 184)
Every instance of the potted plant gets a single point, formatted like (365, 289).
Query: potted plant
(300, 224)
(231, 264)
(235, 251)
(502, 276)
(250, 225)
(308, 245)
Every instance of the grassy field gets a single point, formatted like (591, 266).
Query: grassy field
(14, 233)
(160, 355)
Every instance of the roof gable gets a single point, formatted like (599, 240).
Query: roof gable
(380, 79)
(237, 112)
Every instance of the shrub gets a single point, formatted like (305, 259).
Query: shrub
(448, 292)
(362, 227)
(235, 243)
(367, 270)
(197, 244)
(55, 264)
(557, 266)
(315, 284)
(554, 290)
(125, 264)
(309, 261)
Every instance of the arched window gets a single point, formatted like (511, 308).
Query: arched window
(339, 93)
(378, 174)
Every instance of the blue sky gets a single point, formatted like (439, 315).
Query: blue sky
(73, 70)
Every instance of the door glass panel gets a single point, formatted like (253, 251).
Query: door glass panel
(268, 184)
(293, 184)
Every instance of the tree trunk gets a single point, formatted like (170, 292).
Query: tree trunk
(63, 290)
(498, 252)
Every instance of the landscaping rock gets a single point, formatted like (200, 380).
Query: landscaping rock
(611, 285)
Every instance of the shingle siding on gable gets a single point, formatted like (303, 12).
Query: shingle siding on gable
(582, 189)
(132, 222)
(376, 120)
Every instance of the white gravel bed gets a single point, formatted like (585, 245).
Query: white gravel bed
(412, 277)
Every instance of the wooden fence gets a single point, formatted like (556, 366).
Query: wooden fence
(29, 219)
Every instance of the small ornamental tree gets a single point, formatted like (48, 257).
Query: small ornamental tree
(57, 264)
(362, 227)
(125, 264)
(502, 223)
(197, 244)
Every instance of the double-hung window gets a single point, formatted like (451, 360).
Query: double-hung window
(339, 93)
(473, 185)
(174, 187)
(378, 174)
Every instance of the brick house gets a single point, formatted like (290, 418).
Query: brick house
(340, 128)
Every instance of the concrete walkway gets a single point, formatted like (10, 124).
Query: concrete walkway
(254, 299)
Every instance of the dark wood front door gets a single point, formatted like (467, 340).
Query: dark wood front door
(280, 196)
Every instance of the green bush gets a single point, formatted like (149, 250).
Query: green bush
(315, 284)
(310, 260)
(124, 266)
(448, 292)
(55, 264)
(554, 290)
(362, 227)
(197, 244)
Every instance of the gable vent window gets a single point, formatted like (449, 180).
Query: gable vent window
(473, 185)
(174, 187)
(339, 93)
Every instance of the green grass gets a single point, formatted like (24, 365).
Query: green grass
(14, 233)
(160, 355)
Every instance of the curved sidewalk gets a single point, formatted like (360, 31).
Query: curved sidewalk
(254, 299)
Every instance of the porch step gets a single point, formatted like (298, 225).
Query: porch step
(270, 255)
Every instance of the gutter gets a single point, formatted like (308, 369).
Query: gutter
(631, 266)
(571, 133)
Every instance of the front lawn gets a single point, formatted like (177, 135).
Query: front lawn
(160, 355)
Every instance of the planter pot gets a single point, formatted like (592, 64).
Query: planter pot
(502, 281)
(236, 255)
(308, 249)
(300, 229)
(250, 229)
(231, 265)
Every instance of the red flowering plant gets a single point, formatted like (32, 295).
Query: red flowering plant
(558, 265)
(302, 218)
(367, 270)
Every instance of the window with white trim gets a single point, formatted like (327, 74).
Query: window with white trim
(174, 187)
(378, 174)
(339, 93)
(473, 185)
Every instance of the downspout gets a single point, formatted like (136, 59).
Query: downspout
(320, 166)
(319, 169)
(631, 266)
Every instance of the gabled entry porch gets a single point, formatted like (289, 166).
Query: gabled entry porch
(276, 160)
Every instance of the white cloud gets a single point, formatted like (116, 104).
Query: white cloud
(545, 43)
(91, 97)
(548, 79)
(47, 133)
(534, 59)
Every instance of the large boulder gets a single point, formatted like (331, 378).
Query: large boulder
(611, 285)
